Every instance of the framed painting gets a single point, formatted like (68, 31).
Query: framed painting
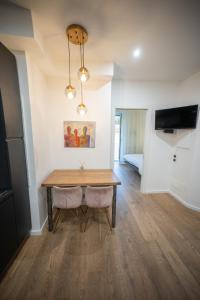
(78, 134)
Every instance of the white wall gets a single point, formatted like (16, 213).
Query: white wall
(157, 149)
(28, 139)
(35, 107)
(15, 20)
(185, 178)
(61, 109)
(41, 123)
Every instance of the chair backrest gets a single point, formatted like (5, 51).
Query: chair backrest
(70, 197)
(99, 196)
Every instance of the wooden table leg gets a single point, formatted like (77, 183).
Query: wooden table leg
(50, 211)
(114, 206)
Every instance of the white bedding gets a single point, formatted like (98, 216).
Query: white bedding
(136, 160)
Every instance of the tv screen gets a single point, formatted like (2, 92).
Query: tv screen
(176, 118)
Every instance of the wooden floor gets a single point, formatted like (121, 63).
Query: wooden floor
(154, 253)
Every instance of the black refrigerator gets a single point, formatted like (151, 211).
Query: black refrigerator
(15, 221)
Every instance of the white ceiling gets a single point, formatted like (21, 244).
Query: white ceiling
(168, 32)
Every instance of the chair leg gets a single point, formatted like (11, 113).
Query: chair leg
(108, 218)
(84, 212)
(86, 219)
(80, 218)
(57, 217)
(76, 213)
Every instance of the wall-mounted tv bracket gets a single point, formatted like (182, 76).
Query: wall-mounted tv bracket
(168, 130)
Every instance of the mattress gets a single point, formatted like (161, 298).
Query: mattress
(135, 160)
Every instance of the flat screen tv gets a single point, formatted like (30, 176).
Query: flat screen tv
(176, 118)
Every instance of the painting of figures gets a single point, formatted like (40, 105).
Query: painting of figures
(79, 134)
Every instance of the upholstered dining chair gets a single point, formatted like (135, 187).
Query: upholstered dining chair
(99, 197)
(66, 198)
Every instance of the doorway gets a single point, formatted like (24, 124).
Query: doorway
(129, 141)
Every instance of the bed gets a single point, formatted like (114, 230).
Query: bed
(135, 160)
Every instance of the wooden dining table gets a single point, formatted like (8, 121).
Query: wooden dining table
(69, 178)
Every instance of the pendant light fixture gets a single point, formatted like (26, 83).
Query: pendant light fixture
(81, 108)
(70, 90)
(78, 35)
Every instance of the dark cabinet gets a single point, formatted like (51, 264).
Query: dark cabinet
(4, 165)
(9, 86)
(15, 221)
(8, 234)
(19, 186)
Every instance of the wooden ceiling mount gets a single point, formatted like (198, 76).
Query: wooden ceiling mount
(77, 34)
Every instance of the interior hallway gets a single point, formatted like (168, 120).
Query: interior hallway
(154, 253)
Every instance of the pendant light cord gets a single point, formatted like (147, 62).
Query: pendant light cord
(81, 93)
(81, 55)
(69, 60)
(82, 51)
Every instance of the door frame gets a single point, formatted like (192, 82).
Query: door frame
(147, 134)
(119, 114)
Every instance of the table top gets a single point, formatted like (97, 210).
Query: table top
(81, 177)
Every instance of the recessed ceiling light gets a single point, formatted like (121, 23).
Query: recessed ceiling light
(137, 53)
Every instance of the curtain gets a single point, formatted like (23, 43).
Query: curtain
(132, 131)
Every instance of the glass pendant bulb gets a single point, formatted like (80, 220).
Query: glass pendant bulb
(70, 91)
(83, 74)
(82, 109)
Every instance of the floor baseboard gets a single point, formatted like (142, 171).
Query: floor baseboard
(178, 198)
(175, 196)
(157, 192)
(39, 231)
